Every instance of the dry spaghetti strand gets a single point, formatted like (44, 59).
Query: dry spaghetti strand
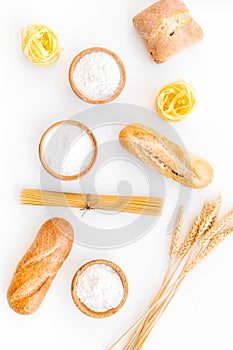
(175, 100)
(40, 45)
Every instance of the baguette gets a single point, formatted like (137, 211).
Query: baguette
(37, 269)
(169, 159)
(167, 28)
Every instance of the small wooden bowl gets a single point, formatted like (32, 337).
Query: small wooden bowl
(85, 98)
(83, 307)
(94, 150)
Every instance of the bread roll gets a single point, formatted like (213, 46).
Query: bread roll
(165, 156)
(167, 28)
(37, 269)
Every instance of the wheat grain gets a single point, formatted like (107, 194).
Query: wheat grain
(206, 209)
(229, 231)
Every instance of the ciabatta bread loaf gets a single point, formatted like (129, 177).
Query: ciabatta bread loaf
(165, 156)
(167, 28)
(37, 269)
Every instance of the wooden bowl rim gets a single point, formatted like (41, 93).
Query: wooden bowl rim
(94, 150)
(119, 62)
(83, 308)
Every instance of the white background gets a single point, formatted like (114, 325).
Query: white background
(200, 315)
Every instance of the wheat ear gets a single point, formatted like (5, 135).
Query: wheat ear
(216, 228)
(176, 234)
(209, 215)
(190, 238)
(203, 253)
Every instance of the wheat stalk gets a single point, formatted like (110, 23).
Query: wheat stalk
(174, 247)
(204, 236)
(173, 251)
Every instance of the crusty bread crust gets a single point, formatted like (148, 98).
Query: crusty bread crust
(163, 155)
(167, 28)
(38, 267)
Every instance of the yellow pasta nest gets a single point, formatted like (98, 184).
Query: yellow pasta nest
(175, 100)
(40, 45)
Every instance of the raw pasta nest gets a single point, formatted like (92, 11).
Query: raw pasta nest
(175, 100)
(40, 45)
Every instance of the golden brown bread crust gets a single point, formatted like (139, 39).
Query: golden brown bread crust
(38, 267)
(165, 156)
(167, 28)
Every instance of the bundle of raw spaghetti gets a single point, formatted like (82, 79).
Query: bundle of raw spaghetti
(205, 233)
(175, 100)
(134, 204)
(40, 45)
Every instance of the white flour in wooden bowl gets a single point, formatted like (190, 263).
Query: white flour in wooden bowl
(100, 288)
(68, 150)
(97, 75)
